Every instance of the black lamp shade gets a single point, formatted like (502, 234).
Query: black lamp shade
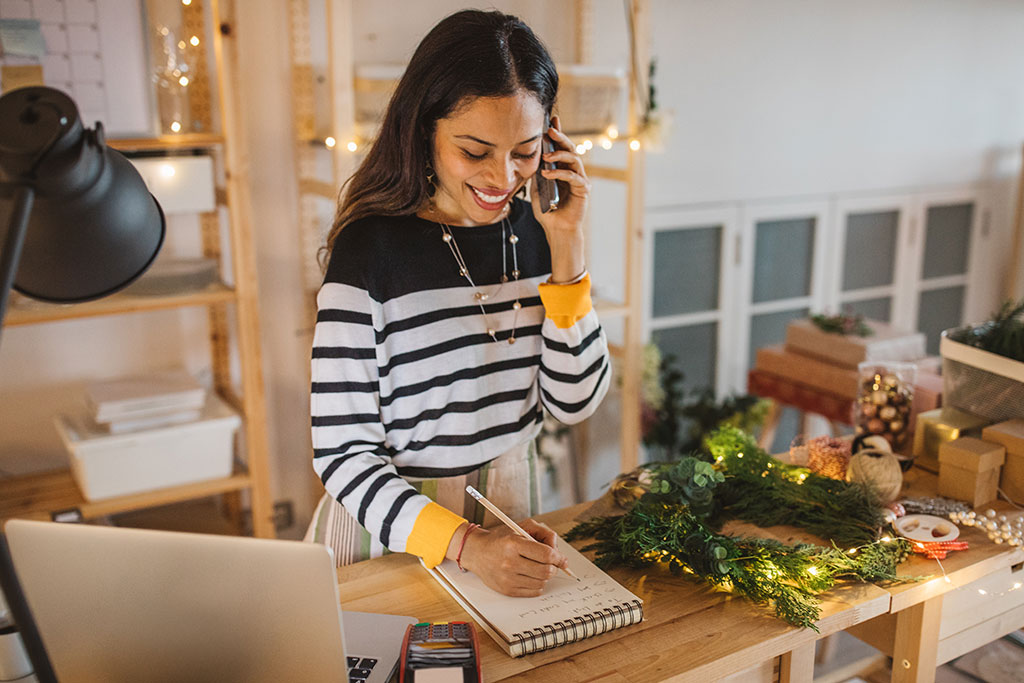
(94, 227)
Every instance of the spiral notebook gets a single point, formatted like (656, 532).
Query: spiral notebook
(568, 611)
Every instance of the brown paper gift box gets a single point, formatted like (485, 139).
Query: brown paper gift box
(808, 370)
(969, 470)
(886, 344)
(1011, 435)
(935, 427)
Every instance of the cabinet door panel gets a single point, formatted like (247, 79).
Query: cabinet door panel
(873, 309)
(939, 310)
(947, 240)
(870, 256)
(783, 259)
(686, 270)
(695, 351)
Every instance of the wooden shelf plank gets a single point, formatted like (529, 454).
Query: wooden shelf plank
(35, 496)
(167, 142)
(609, 309)
(39, 312)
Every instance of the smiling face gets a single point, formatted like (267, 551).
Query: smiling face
(483, 153)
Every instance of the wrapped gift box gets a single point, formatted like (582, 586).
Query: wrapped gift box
(936, 427)
(886, 344)
(969, 470)
(808, 370)
(1010, 434)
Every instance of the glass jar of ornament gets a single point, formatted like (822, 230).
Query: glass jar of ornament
(884, 399)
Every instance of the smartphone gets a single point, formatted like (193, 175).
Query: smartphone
(547, 188)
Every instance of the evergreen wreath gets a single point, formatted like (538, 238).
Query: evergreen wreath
(677, 509)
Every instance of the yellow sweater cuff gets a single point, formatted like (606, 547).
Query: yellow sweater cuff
(432, 532)
(565, 304)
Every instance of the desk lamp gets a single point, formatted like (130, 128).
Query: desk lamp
(76, 223)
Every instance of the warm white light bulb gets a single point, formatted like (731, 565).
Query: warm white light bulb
(588, 144)
(330, 142)
(175, 126)
(181, 44)
(612, 132)
(194, 40)
(813, 571)
(352, 146)
(183, 81)
(166, 170)
(186, 2)
(634, 144)
(580, 149)
(605, 143)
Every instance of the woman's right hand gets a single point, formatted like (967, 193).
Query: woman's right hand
(509, 563)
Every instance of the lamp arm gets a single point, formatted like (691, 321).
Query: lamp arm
(24, 196)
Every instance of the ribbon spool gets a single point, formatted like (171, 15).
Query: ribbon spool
(926, 528)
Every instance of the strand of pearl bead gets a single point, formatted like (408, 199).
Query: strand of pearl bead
(998, 527)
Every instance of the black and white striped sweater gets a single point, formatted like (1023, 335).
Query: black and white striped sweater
(406, 379)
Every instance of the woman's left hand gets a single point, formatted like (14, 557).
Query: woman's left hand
(572, 205)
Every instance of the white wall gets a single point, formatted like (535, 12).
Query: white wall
(785, 98)
(772, 100)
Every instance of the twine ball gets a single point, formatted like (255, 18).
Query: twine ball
(878, 469)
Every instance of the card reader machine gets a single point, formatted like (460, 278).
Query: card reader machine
(449, 650)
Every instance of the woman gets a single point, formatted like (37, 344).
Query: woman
(452, 311)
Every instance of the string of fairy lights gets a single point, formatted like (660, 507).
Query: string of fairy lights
(606, 140)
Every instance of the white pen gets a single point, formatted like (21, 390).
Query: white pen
(508, 521)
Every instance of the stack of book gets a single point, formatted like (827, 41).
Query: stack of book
(133, 404)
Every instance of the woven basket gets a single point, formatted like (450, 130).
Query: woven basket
(981, 383)
(589, 98)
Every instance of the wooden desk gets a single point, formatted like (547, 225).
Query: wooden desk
(688, 634)
(934, 621)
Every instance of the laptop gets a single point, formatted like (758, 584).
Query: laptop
(114, 604)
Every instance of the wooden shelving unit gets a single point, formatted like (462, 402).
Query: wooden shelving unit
(42, 495)
(167, 142)
(38, 312)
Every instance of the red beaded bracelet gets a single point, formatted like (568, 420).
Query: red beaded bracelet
(458, 556)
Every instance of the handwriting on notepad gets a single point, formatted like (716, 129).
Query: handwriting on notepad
(577, 600)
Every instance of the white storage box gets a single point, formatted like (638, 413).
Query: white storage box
(106, 465)
(980, 382)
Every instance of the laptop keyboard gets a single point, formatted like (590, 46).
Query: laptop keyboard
(360, 668)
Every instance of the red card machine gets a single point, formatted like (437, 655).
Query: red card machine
(440, 652)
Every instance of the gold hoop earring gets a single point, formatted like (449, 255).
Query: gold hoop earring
(431, 178)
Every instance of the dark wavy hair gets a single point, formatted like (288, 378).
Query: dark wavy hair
(468, 54)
